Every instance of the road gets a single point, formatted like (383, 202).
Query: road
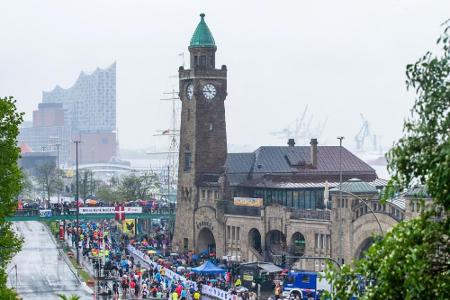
(41, 270)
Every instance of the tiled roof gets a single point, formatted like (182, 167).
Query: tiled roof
(398, 201)
(295, 161)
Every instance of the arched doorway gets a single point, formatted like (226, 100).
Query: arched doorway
(275, 242)
(365, 245)
(206, 241)
(254, 239)
(298, 244)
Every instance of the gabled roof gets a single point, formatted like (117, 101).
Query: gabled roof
(277, 159)
(202, 37)
(256, 167)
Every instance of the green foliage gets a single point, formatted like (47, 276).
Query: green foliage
(10, 186)
(413, 260)
(133, 187)
(423, 154)
(27, 187)
(49, 178)
(64, 297)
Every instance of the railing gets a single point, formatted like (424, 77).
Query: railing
(311, 215)
(385, 209)
(34, 212)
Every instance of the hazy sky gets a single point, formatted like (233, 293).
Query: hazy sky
(341, 58)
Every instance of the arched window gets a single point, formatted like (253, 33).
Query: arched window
(187, 158)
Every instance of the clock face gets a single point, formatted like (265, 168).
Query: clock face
(209, 91)
(190, 91)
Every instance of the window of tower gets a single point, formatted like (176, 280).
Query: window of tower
(202, 60)
(211, 127)
(195, 60)
(188, 114)
(187, 161)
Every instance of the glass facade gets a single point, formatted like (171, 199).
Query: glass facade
(301, 199)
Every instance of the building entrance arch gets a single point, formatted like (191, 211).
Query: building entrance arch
(206, 241)
(363, 247)
(275, 242)
(254, 239)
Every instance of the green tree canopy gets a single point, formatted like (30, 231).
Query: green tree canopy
(413, 260)
(10, 187)
(134, 186)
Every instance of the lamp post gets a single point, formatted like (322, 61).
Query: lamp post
(341, 233)
(76, 202)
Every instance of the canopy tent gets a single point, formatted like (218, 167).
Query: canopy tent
(208, 268)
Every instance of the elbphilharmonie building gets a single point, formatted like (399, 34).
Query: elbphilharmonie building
(86, 112)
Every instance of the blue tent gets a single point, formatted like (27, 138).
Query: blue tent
(208, 268)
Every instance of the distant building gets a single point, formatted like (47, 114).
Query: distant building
(86, 112)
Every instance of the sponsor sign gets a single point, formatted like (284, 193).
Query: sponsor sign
(246, 201)
(45, 213)
(129, 227)
(109, 210)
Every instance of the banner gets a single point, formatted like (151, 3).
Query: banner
(245, 201)
(206, 290)
(45, 213)
(109, 210)
(129, 227)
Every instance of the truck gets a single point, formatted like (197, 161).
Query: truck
(305, 285)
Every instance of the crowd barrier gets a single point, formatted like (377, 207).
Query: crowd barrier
(206, 290)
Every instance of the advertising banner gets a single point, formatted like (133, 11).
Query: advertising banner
(45, 213)
(61, 230)
(109, 210)
(246, 201)
(129, 227)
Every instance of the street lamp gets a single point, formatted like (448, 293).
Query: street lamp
(76, 202)
(341, 230)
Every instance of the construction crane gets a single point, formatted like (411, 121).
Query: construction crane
(364, 135)
(301, 129)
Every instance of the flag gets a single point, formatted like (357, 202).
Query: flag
(120, 212)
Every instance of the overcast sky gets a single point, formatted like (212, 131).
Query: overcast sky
(341, 58)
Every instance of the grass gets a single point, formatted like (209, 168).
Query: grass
(82, 273)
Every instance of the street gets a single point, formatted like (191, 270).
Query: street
(41, 270)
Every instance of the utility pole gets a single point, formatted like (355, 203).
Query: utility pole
(76, 202)
(57, 168)
(341, 233)
(168, 183)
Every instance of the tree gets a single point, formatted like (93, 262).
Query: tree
(27, 187)
(412, 261)
(135, 187)
(10, 187)
(64, 297)
(109, 192)
(49, 178)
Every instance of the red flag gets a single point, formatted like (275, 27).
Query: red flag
(120, 212)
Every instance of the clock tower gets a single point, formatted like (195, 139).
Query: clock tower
(203, 146)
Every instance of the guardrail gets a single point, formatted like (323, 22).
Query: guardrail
(70, 214)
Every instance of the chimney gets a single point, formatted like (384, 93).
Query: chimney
(291, 142)
(313, 150)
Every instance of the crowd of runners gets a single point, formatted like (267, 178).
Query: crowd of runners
(127, 277)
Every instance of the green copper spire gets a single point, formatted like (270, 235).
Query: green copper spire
(202, 37)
